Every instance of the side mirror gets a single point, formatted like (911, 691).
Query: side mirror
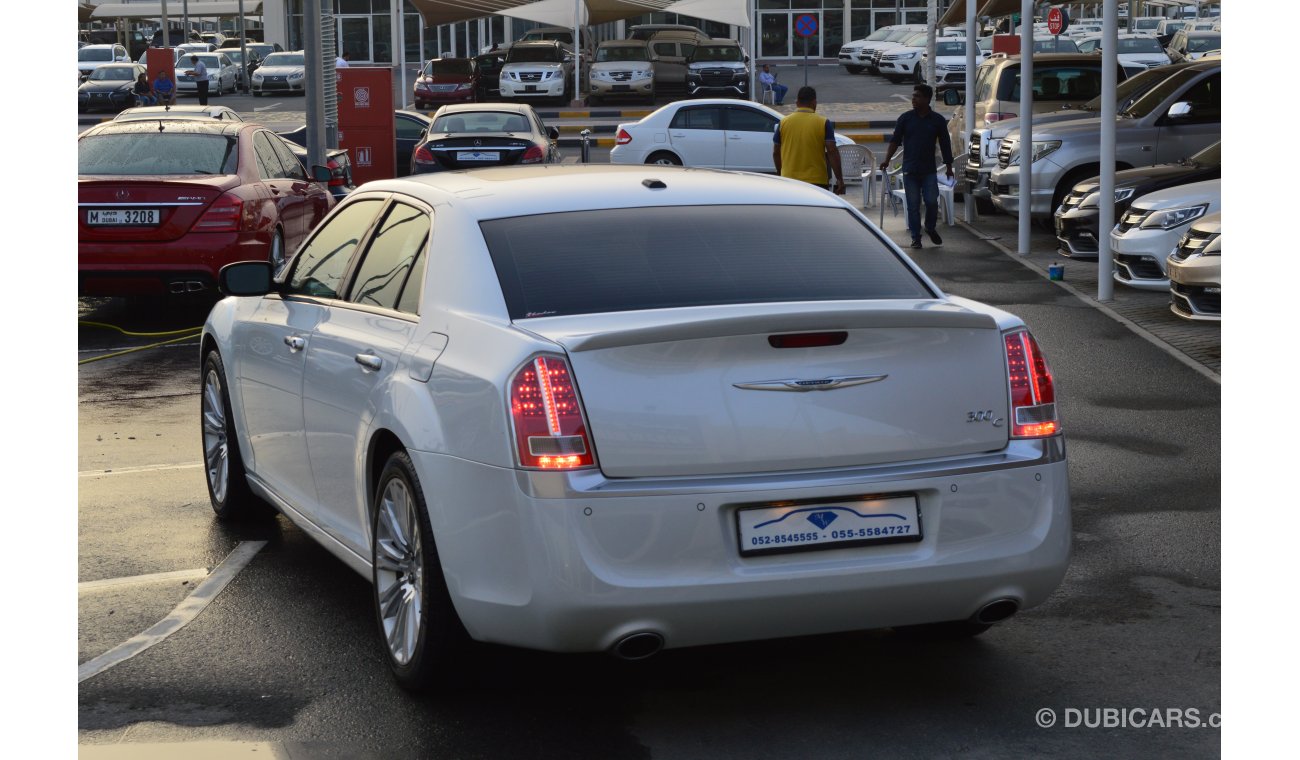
(746, 59)
(245, 278)
(1180, 109)
(553, 133)
(954, 98)
(321, 173)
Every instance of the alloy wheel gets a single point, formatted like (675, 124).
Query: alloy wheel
(399, 570)
(216, 440)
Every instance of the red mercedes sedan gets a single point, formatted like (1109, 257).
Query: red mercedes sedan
(163, 205)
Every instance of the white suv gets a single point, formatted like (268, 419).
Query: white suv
(534, 70)
(856, 56)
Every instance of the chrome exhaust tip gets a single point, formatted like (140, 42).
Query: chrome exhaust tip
(996, 611)
(638, 646)
(176, 287)
(194, 286)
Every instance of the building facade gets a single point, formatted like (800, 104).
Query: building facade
(364, 27)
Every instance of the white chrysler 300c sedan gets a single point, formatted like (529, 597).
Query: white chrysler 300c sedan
(581, 408)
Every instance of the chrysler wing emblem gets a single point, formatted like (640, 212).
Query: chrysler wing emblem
(800, 385)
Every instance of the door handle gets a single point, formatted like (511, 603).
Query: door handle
(733, 137)
(370, 361)
(295, 343)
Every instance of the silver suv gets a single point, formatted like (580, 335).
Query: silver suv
(622, 69)
(1177, 118)
(982, 147)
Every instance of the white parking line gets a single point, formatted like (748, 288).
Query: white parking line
(134, 580)
(185, 612)
(142, 468)
(267, 108)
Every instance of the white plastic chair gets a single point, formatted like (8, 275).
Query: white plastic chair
(858, 164)
(897, 196)
(768, 95)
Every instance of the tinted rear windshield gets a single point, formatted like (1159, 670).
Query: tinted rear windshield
(156, 153)
(452, 66)
(679, 256)
(94, 54)
(1203, 44)
(1140, 45)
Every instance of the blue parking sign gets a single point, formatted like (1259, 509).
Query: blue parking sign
(805, 25)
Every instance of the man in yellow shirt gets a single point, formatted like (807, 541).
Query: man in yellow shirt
(803, 145)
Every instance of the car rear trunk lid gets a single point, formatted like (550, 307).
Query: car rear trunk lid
(703, 391)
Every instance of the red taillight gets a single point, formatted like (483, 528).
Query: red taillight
(989, 118)
(1033, 397)
(623, 138)
(336, 174)
(533, 155)
(549, 431)
(224, 215)
(424, 156)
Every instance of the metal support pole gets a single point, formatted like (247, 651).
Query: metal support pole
(586, 146)
(243, 50)
(578, 7)
(754, 93)
(185, 11)
(401, 33)
(971, 47)
(1026, 123)
(396, 42)
(1106, 201)
(315, 86)
(931, 16)
(167, 36)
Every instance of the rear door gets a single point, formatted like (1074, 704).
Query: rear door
(312, 201)
(748, 145)
(410, 130)
(353, 356)
(697, 135)
(288, 205)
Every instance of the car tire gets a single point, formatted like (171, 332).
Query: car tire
(854, 69)
(663, 158)
(424, 641)
(275, 251)
(955, 630)
(985, 206)
(223, 464)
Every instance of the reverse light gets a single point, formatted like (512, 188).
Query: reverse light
(224, 215)
(550, 433)
(1033, 395)
(622, 138)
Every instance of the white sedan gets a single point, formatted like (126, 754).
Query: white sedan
(1149, 231)
(223, 74)
(281, 72)
(737, 411)
(717, 133)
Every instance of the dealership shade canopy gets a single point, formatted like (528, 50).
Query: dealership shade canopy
(197, 9)
(560, 12)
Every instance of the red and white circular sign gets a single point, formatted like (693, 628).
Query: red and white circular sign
(1057, 21)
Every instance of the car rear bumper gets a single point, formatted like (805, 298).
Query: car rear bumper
(143, 268)
(575, 562)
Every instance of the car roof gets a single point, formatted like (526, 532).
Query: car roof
(479, 107)
(103, 45)
(525, 44)
(510, 191)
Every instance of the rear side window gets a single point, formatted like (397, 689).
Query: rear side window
(157, 153)
(386, 270)
(697, 118)
(1071, 82)
(672, 257)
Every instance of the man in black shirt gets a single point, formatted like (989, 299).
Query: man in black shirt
(917, 130)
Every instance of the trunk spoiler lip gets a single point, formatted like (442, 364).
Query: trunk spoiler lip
(576, 334)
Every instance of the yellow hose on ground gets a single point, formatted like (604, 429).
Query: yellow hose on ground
(189, 333)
